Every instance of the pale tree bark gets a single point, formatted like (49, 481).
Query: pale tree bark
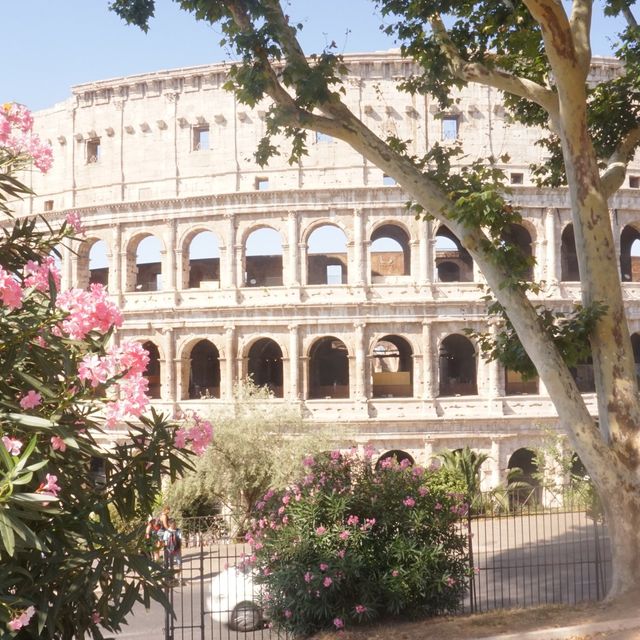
(610, 448)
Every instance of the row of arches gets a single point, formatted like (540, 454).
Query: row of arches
(391, 369)
(326, 257)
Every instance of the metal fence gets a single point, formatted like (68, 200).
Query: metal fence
(526, 547)
(537, 546)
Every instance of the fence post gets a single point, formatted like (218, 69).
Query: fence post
(472, 581)
(168, 611)
(202, 589)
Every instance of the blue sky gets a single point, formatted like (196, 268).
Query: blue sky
(51, 45)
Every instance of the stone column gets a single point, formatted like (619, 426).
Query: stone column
(114, 257)
(228, 270)
(293, 276)
(168, 381)
(169, 260)
(226, 390)
(425, 250)
(496, 463)
(294, 362)
(359, 277)
(552, 266)
(428, 391)
(360, 373)
(414, 249)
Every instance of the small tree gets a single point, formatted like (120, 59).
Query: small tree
(350, 543)
(258, 444)
(62, 381)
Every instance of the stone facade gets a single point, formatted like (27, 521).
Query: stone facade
(312, 278)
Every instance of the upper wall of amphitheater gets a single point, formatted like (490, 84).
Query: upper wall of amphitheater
(178, 133)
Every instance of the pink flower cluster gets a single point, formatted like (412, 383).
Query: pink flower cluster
(31, 400)
(88, 311)
(197, 434)
(37, 274)
(50, 486)
(17, 137)
(10, 290)
(127, 363)
(22, 620)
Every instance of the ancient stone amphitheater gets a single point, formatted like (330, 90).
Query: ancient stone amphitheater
(312, 278)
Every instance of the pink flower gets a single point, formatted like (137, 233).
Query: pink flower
(286, 499)
(10, 290)
(335, 455)
(12, 445)
(22, 620)
(395, 573)
(58, 444)
(31, 400)
(341, 553)
(88, 311)
(353, 520)
(344, 535)
(37, 275)
(338, 623)
(360, 608)
(287, 613)
(323, 566)
(308, 576)
(418, 471)
(308, 461)
(438, 506)
(409, 502)
(451, 581)
(423, 491)
(50, 485)
(327, 582)
(320, 530)
(73, 220)
(96, 617)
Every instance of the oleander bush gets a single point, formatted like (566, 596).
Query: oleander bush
(350, 543)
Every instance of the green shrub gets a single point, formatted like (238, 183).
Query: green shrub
(350, 544)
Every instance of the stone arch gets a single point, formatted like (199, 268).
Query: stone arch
(449, 252)
(569, 270)
(201, 260)
(204, 371)
(392, 368)
(153, 372)
(524, 485)
(328, 369)
(144, 263)
(390, 251)
(327, 255)
(93, 263)
(263, 257)
(264, 365)
(395, 454)
(630, 254)
(519, 236)
(457, 366)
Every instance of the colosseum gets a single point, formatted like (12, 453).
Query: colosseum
(313, 279)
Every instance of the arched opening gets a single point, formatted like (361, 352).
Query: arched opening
(458, 264)
(457, 367)
(204, 261)
(569, 256)
(517, 236)
(635, 344)
(583, 375)
(392, 370)
(263, 258)
(630, 254)
(204, 372)
(148, 269)
(395, 456)
(98, 264)
(327, 256)
(328, 369)
(516, 385)
(265, 365)
(390, 252)
(152, 372)
(523, 480)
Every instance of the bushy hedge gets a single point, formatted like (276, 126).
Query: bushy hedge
(351, 543)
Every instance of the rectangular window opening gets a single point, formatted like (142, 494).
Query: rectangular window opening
(334, 274)
(93, 150)
(450, 126)
(262, 184)
(48, 205)
(323, 137)
(517, 178)
(634, 182)
(201, 138)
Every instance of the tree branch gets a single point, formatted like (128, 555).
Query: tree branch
(580, 23)
(613, 176)
(477, 72)
(629, 17)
